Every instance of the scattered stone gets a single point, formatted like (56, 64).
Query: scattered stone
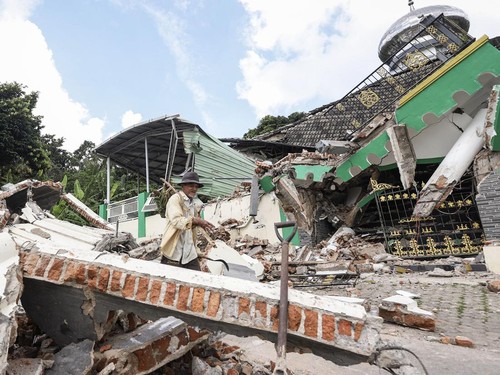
(493, 286)
(23, 366)
(439, 272)
(200, 367)
(446, 340)
(464, 341)
(74, 359)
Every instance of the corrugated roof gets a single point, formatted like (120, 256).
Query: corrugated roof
(220, 167)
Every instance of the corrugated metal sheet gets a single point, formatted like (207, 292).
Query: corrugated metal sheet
(220, 167)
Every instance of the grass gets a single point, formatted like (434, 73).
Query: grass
(485, 304)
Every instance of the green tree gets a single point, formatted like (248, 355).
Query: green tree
(60, 159)
(22, 154)
(270, 123)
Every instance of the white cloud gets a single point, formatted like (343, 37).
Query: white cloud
(172, 29)
(30, 62)
(319, 50)
(130, 118)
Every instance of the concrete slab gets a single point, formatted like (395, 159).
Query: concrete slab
(492, 258)
(73, 359)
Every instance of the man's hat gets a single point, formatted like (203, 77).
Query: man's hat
(191, 178)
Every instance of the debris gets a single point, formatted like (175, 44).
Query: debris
(464, 341)
(439, 272)
(493, 286)
(73, 359)
(404, 310)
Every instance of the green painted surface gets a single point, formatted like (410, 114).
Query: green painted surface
(266, 183)
(103, 211)
(285, 232)
(317, 171)
(141, 200)
(360, 158)
(437, 98)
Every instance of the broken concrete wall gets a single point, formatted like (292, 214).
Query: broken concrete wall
(237, 209)
(10, 291)
(100, 283)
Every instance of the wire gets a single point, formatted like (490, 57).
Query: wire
(395, 347)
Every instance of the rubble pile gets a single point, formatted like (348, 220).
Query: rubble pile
(33, 349)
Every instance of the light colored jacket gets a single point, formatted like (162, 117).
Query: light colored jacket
(178, 219)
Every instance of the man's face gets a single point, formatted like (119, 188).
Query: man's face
(190, 190)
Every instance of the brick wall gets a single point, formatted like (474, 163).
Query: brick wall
(488, 202)
(206, 296)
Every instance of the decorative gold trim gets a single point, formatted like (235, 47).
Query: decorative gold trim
(379, 187)
(368, 98)
(444, 69)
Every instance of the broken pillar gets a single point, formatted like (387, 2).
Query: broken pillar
(453, 166)
(403, 153)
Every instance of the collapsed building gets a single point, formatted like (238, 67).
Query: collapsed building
(409, 156)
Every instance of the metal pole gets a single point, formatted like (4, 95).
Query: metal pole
(146, 157)
(108, 180)
(280, 368)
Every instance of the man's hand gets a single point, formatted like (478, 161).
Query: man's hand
(203, 223)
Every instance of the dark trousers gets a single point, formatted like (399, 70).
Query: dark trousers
(193, 265)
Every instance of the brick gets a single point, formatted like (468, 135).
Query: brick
(183, 339)
(102, 284)
(464, 341)
(161, 348)
(294, 317)
(345, 327)
(358, 329)
(30, 263)
(81, 271)
(56, 269)
(399, 315)
(129, 286)
(244, 306)
(155, 290)
(70, 273)
(261, 309)
(116, 278)
(145, 359)
(169, 298)
(92, 274)
(197, 304)
(213, 303)
(142, 289)
(182, 300)
(273, 316)
(42, 266)
(328, 327)
(311, 323)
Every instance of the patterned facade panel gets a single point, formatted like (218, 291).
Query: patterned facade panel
(454, 228)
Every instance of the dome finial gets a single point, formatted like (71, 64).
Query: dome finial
(410, 4)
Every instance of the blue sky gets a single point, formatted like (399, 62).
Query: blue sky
(102, 65)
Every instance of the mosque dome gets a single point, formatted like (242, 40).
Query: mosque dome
(407, 27)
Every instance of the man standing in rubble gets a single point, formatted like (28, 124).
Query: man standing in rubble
(178, 244)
